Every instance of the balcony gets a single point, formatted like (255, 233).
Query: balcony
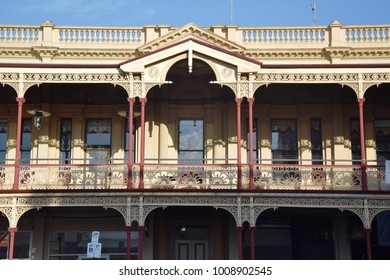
(209, 177)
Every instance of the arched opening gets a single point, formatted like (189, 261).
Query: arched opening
(380, 236)
(63, 233)
(306, 234)
(186, 232)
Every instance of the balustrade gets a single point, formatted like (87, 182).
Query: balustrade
(250, 37)
(266, 177)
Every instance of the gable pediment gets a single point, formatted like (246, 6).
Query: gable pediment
(155, 58)
(190, 31)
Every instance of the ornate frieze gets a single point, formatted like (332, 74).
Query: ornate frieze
(307, 77)
(245, 208)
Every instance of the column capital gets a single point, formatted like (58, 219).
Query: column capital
(12, 230)
(251, 100)
(361, 101)
(20, 100)
(131, 100)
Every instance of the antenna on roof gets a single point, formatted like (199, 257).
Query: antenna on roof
(231, 11)
(313, 10)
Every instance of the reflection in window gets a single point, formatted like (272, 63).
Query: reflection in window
(3, 140)
(355, 140)
(316, 140)
(98, 133)
(126, 148)
(66, 140)
(254, 139)
(25, 147)
(382, 137)
(284, 144)
(22, 245)
(191, 141)
(72, 245)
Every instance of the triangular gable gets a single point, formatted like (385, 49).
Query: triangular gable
(190, 31)
(242, 63)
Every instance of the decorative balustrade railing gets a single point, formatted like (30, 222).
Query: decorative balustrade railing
(367, 34)
(114, 35)
(162, 177)
(26, 35)
(250, 37)
(287, 35)
(308, 177)
(192, 176)
(6, 176)
(77, 177)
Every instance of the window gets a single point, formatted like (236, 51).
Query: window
(355, 140)
(25, 147)
(126, 148)
(191, 141)
(284, 144)
(3, 140)
(316, 140)
(382, 137)
(254, 139)
(98, 133)
(66, 141)
(98, 140)
(22, 245)
(72, 245)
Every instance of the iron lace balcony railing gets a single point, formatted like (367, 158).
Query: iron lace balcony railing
(266, 177)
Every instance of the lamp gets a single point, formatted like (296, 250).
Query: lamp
(38, 115)
(125, 114)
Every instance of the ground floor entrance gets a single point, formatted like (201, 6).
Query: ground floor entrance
(192, 233)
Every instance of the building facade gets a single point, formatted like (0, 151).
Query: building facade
(224, 142)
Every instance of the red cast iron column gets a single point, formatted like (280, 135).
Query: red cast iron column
(251, 163)
(130, 144)
(368, 243)
(239, 164)
(362, 144)
(142, 151)
(12, 231)
(18, 140)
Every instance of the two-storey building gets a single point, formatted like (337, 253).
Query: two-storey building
(224, 142)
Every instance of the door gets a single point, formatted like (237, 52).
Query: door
(191, 250)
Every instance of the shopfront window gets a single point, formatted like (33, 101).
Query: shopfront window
(22, 245)
(72, 245)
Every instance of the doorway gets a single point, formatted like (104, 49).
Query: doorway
(191, 243)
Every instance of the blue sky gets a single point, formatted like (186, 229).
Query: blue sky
(201, 12)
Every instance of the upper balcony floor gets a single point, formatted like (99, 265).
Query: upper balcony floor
(302, 138)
